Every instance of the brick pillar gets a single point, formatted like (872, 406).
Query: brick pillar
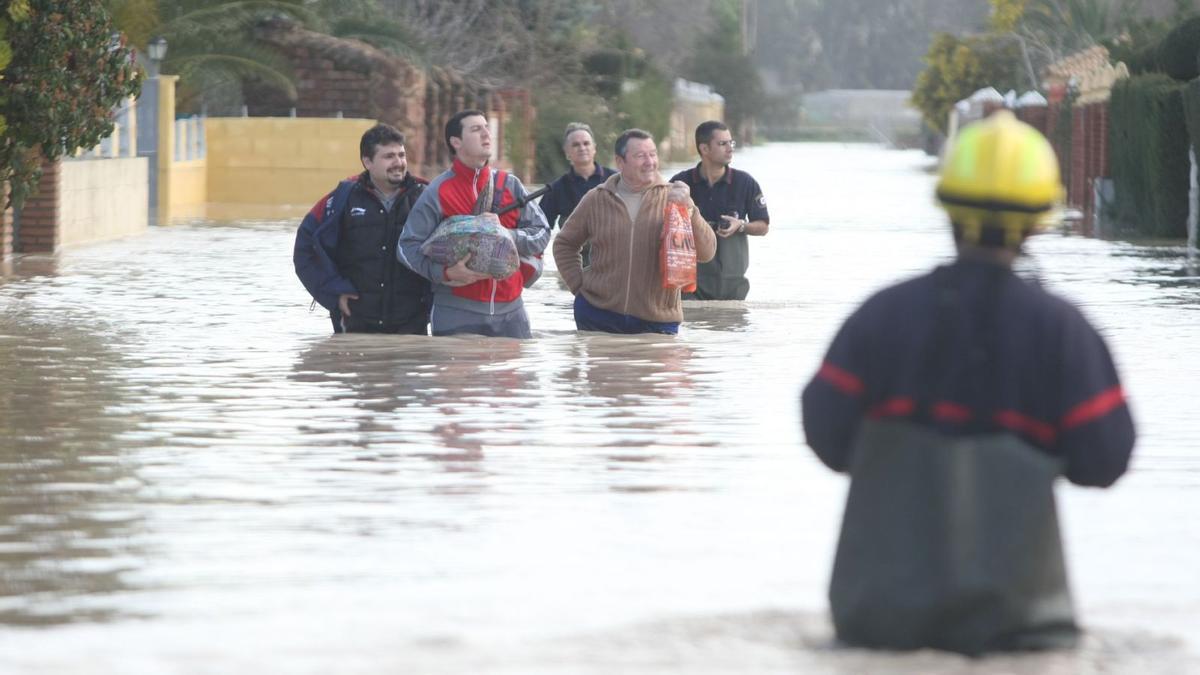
(1088, 142)
(6, 225)
(1078, 158)
(1101, 124)
(41, 211)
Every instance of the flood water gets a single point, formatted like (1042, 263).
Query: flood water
(195, 477)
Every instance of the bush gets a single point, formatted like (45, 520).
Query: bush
(956, 67)
(1149, 165)
(1179, 52)
(1191, 111)
(1140, 61)
(69, 69)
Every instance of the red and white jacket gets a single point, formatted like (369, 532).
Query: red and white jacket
(455, 193)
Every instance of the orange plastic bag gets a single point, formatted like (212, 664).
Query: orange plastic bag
(677, 252)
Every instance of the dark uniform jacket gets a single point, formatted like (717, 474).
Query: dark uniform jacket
(347, 244)
(973, 349)
(954, 401)
(566, 191)
(736, 194)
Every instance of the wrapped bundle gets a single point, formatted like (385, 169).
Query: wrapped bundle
(492, 246)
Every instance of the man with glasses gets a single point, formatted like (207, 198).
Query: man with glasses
(733, 205)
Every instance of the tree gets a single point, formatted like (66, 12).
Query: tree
(957, 67)
(719, 59)
(212, 46)
(69, 68)
(1062, 27)
(1006, 14)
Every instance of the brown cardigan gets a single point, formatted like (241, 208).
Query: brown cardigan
(624, 275)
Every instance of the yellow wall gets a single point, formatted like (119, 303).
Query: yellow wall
(187, 190)
(103, 199)
(279, 161)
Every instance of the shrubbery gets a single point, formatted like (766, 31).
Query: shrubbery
(69, 68)
(956, 67)
(1191, 112)
(1149, 163)
(1179, 52)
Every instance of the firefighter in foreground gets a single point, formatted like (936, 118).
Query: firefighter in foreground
(954, 401)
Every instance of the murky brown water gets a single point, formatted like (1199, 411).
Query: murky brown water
(196, 478)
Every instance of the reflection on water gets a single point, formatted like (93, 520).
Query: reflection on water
(69, 517)
(194, 472)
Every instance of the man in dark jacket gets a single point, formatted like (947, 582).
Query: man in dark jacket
(585, 173)
(733, 203)
(954, 401)
(345, 251)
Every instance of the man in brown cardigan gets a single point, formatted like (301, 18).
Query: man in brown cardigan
(622, 220)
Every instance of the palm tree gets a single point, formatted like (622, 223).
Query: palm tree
(212, 47)
(1067, 26)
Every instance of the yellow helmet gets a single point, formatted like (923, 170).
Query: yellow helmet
(1002, 174)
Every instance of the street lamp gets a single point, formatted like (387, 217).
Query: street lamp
(156, 50)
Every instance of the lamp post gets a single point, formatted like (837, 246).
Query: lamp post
(156, 50)
(150, 143)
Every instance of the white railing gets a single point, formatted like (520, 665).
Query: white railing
(190, 139)
(122, 142)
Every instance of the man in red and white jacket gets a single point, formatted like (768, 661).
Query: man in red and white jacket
(465, 301)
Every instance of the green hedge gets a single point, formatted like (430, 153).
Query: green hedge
(1179, 52)
(1191, 111)
(1149, 164)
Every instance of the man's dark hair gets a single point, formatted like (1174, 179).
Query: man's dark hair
(454, 126)
(380, 134)
(623, 140)
(704, 132)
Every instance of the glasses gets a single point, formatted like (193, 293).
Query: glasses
(726, 144)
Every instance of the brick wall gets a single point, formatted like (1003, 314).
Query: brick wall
(1078, 158)
(350, 77)
(40, 213)
(6, 225)
(358, 80)
(1036, 117)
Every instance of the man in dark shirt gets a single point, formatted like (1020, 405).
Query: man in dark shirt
(733, 204)
(954, 400)
(585, 173)
(345, 251)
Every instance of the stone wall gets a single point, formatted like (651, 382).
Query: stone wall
(102, 199)
(78, 201)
